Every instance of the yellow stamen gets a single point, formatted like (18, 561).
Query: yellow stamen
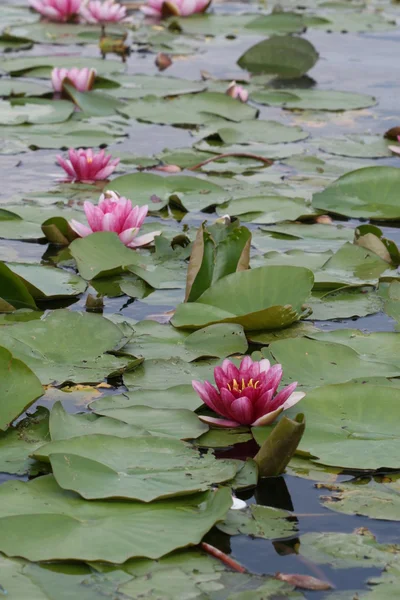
(89, 160)
(236, 387)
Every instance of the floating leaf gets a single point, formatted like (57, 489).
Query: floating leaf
(139, 468)
(196, 109)
(18, 443)
(299, 99)
(51, 349)
(19, 387)
(152, 340)
(370, 193)
(42, 506)
(374, 500)
(259, 521)
(285, 56)
(263, 298)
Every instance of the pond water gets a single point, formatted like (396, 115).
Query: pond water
(347, 488)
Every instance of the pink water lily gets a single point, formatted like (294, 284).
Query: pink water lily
(395, 149)
(57, 10)
(246, 395)
(237, 92)
(180, 8)
(81, 79)
(108, 11)
(115, 213)
(86, 166)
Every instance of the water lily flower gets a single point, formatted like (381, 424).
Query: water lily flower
(115, 213)
(246, 395)
(237, 92)
(86, 166)
(395, 149)
(108, 11)
(57, 10)
(179, 8)
(81, 79)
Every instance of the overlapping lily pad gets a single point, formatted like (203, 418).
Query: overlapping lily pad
(139, 468)
(369, 193)
(67, 346)
(19, 387)
(42, 506)
(263, 298)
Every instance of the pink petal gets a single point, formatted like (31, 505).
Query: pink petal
(268, 418)
(144, 240)
(242, 410)
(218, 422)
(283, 395)
(293, 399)
(208, 397)
(230, 370)
(79, 228)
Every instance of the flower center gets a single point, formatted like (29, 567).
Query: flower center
(239, 387)
(89, 160)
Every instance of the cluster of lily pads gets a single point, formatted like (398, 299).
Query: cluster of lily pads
(160, 305)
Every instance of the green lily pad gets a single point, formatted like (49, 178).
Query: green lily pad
(196, 109)
(298, 99)
(46, 32)
(358, 146)
(377, 345)
(265, 132)
(14, 293)
(259, 521)
(224, 438)
(285, 56)
(64, 426)
(42, 506)
(181, 423)
(314, 363)
(296, 236)
(374, 500)
(48, 282)
(178, 396)
(70, 134)
(370, 193)
(139, 86)
(37, 111)
(93, 103)
(18, 443)
(19, 387)
(347, 550)
(157, 191)
(344, 304)
(139, 468)
(16, 87)
(152, 340)
(41, 66)
(161, 374)
(262, 298)
(352, 426)
(51, 349)
(266, 209)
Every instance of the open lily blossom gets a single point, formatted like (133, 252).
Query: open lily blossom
(57, 10)
(81, 79)
(86, 166)
(96, 11)
(237, 92)
(115, 213)
(395, 149)
(180, 8)
(246, 395)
